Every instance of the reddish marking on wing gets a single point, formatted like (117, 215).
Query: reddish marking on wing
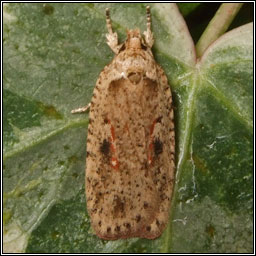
(150, 150)
(113, 162)
(150, 160)
(152, 127)
(151, 146)
(112, 131)
(112, 148)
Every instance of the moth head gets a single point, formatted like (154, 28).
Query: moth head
(134, 39)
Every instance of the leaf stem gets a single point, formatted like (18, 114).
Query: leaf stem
(217, 26)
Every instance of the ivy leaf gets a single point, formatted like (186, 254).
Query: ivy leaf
(53, 54)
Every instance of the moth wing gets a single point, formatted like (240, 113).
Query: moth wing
(130, 157)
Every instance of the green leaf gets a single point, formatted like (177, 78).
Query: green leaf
(53, 54)
(187, 8)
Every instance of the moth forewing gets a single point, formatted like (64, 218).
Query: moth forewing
(130, 144)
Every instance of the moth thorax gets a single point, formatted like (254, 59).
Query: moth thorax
(133, 39)
(134, 43)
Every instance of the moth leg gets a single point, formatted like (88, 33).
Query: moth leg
(112, 38)
(81, 110)
(148, 34)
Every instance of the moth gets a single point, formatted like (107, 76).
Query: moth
(130, 164)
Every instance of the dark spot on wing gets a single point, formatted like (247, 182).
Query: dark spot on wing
(105, 147)
(158, 147)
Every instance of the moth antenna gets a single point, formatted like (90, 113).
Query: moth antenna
(148, 34)
(112, 38)
(108, 20)
(148, 19)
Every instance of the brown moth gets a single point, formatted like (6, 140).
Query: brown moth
(130, 144)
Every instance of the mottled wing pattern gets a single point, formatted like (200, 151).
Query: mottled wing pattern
(130, 156)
